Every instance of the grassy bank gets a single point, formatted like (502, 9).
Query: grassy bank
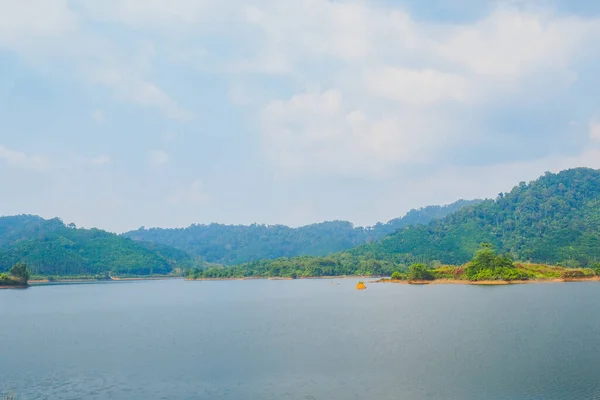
(523, 273)
(9, 282)
(281, 278)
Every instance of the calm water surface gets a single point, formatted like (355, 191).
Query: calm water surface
(304, 339)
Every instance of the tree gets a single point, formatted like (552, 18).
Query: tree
(419, 272)
(487, 265)
(396, 276)
(20, 272)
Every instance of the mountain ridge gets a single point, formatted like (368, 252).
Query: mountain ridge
(235, 244)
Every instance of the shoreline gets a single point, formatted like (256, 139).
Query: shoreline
(38, 282)
(487, 283)
(274, 278)
(14, 286)
(112, 279)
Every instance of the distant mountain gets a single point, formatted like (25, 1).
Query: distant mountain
(234, 244)
(49, 247)
(421, 216)
(554, 219)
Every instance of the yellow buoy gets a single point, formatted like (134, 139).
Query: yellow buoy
(361, 285)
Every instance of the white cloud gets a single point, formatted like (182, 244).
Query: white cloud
(23, 160)
(98, 117)
(102, 159)
(409, 74)
(152, 13)
(129, 85)
(397, 89)
(22, 21)
(512, 43)
(170, 136)
(318, 131)
(314, 27)
(595, 130)
(193, 195)
(52, 35)
(416, 87)
(158, 157)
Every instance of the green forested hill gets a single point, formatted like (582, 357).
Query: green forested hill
(554, 219)
(234, 244)
(49, 247)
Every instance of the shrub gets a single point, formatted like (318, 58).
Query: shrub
(20, 272)
(486, 265)
(419, 272)
(445, 272)
(573, 274)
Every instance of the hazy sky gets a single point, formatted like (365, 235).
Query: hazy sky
(122, 113)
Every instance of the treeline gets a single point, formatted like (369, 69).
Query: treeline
(236, 244)
(486, 265)
(51, 248)
(299, 267)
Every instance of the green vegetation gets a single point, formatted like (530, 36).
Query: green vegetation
(18, 275)
(235, 244)
(487, 266)
(553, 220)
(420, 272)
(51, 248)
(299, 267)
(20, 272)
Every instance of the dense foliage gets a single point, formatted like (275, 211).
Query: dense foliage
(487, 266)
(553, 220)
(20, 272)
(50, 247)
(420, 272)
(234, 244)
(299, 267)
(17, 275)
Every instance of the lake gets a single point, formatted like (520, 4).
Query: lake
(303, 339)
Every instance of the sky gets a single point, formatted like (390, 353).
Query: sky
(118, 114)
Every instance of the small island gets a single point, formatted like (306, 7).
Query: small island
(17, 277)
(488, 268)
(485, 268)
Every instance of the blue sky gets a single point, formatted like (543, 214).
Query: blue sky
(123, 113)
